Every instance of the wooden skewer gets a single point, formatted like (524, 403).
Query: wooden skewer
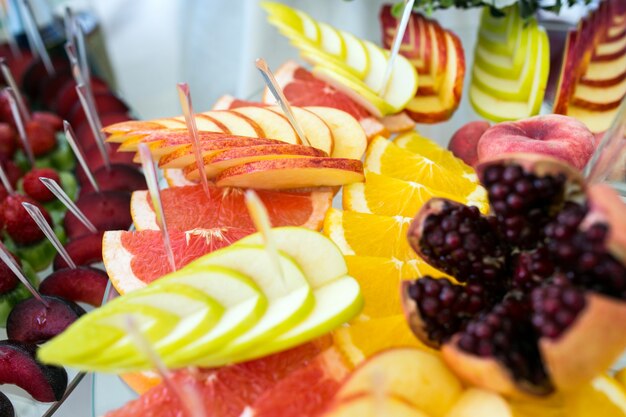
(8, 259)
(184, 95)
(395, 47)
(149, 171)
(38, 217)
(272, 84)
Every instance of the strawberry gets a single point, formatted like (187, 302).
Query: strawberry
(12, 170)
(35, 188)
(18, 223)
(8, 280)
(41, 137)
(8, 140)
(49, 119)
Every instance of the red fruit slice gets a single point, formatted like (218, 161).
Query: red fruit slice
(18, 366)
(83, 284)
(31, 321)
(67, 97)
(107, 210)
(106, 102)
(85, 250)
(83, 131)
(301, 88)
(94, 160)
(305, 392)
(188, 207)
(227, 391)
(134, 259)
(117, 178)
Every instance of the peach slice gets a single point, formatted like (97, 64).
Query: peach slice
(350, 139)
(219, 161)
(420, 378)
(274, 126)
(184, 155)
(292, 173)
(317, 132)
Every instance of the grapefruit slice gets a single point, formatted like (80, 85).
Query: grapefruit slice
(188, 208)
(134, 259)
(301, 88)
(227, 391)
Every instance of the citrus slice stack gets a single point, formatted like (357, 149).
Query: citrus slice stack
(371, 232)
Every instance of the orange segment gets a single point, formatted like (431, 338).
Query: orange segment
(390, 196)
(603, 396)
(383, 157)
(379, 279)
(361, 340)
(141, 382)
(369, 234)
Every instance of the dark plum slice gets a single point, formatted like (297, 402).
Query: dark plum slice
(67, 97)
(83, 130)
(85, 250)
(108, 210)
(94, 160)
(18, 366)
(82, 284)
(36, 75)
(106, 102)
(6, 408)
(50, 89)
(31, 321)
(118, 178)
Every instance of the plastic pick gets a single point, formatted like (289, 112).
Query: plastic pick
(184, 95)
(395, 46)
(38, 217)
(71, 140)
(10, 80)
(19, 123)
(59, 193)
(94, 122)
(149, 171)
(8, 259)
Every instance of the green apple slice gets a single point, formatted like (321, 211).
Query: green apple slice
(378, 65)
(331, 42)
(503, 42)
(291, 22)
(290, 298)
(498, 110)
(356, 55)
(512, 89)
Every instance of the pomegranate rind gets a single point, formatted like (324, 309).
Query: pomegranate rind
(413, 316)
(589, 346)
(488, 373)
(606, 205)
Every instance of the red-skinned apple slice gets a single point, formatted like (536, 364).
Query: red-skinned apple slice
(315, 129)
(184, 155)
(292, 173)
(216, 163)
(273, 125)
(238, 124)
(349, 137)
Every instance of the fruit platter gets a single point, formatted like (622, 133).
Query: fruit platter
(308, 252)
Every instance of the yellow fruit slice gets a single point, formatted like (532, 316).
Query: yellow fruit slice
(383, 157)
(379, 279)
(362, 339)
(601, 397)
(620, 376)
(369, 234)
(390, 196)
(414, 142)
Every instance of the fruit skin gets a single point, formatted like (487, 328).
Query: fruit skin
(8, 140)
(18, 223)
(49, 119)
(18, 366)
(464, 142)
(31, 321)
(107, 210)
(35, 188)
(41, 137)
(82, 284)
(84, 250)
(561, 137)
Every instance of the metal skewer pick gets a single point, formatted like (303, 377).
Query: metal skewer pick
(8, 259)
(19, 123)
(71, 140)
(58, 192)
(261, 221)
(10, 80)
(5, 180)
(149, 171)
(190, 399)
(395, 46)
(38, 217)
(272, 84)
(184, 95)
(34, 37)
(94, 123)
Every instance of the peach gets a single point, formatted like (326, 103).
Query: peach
(561, 137)
(464, 141)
